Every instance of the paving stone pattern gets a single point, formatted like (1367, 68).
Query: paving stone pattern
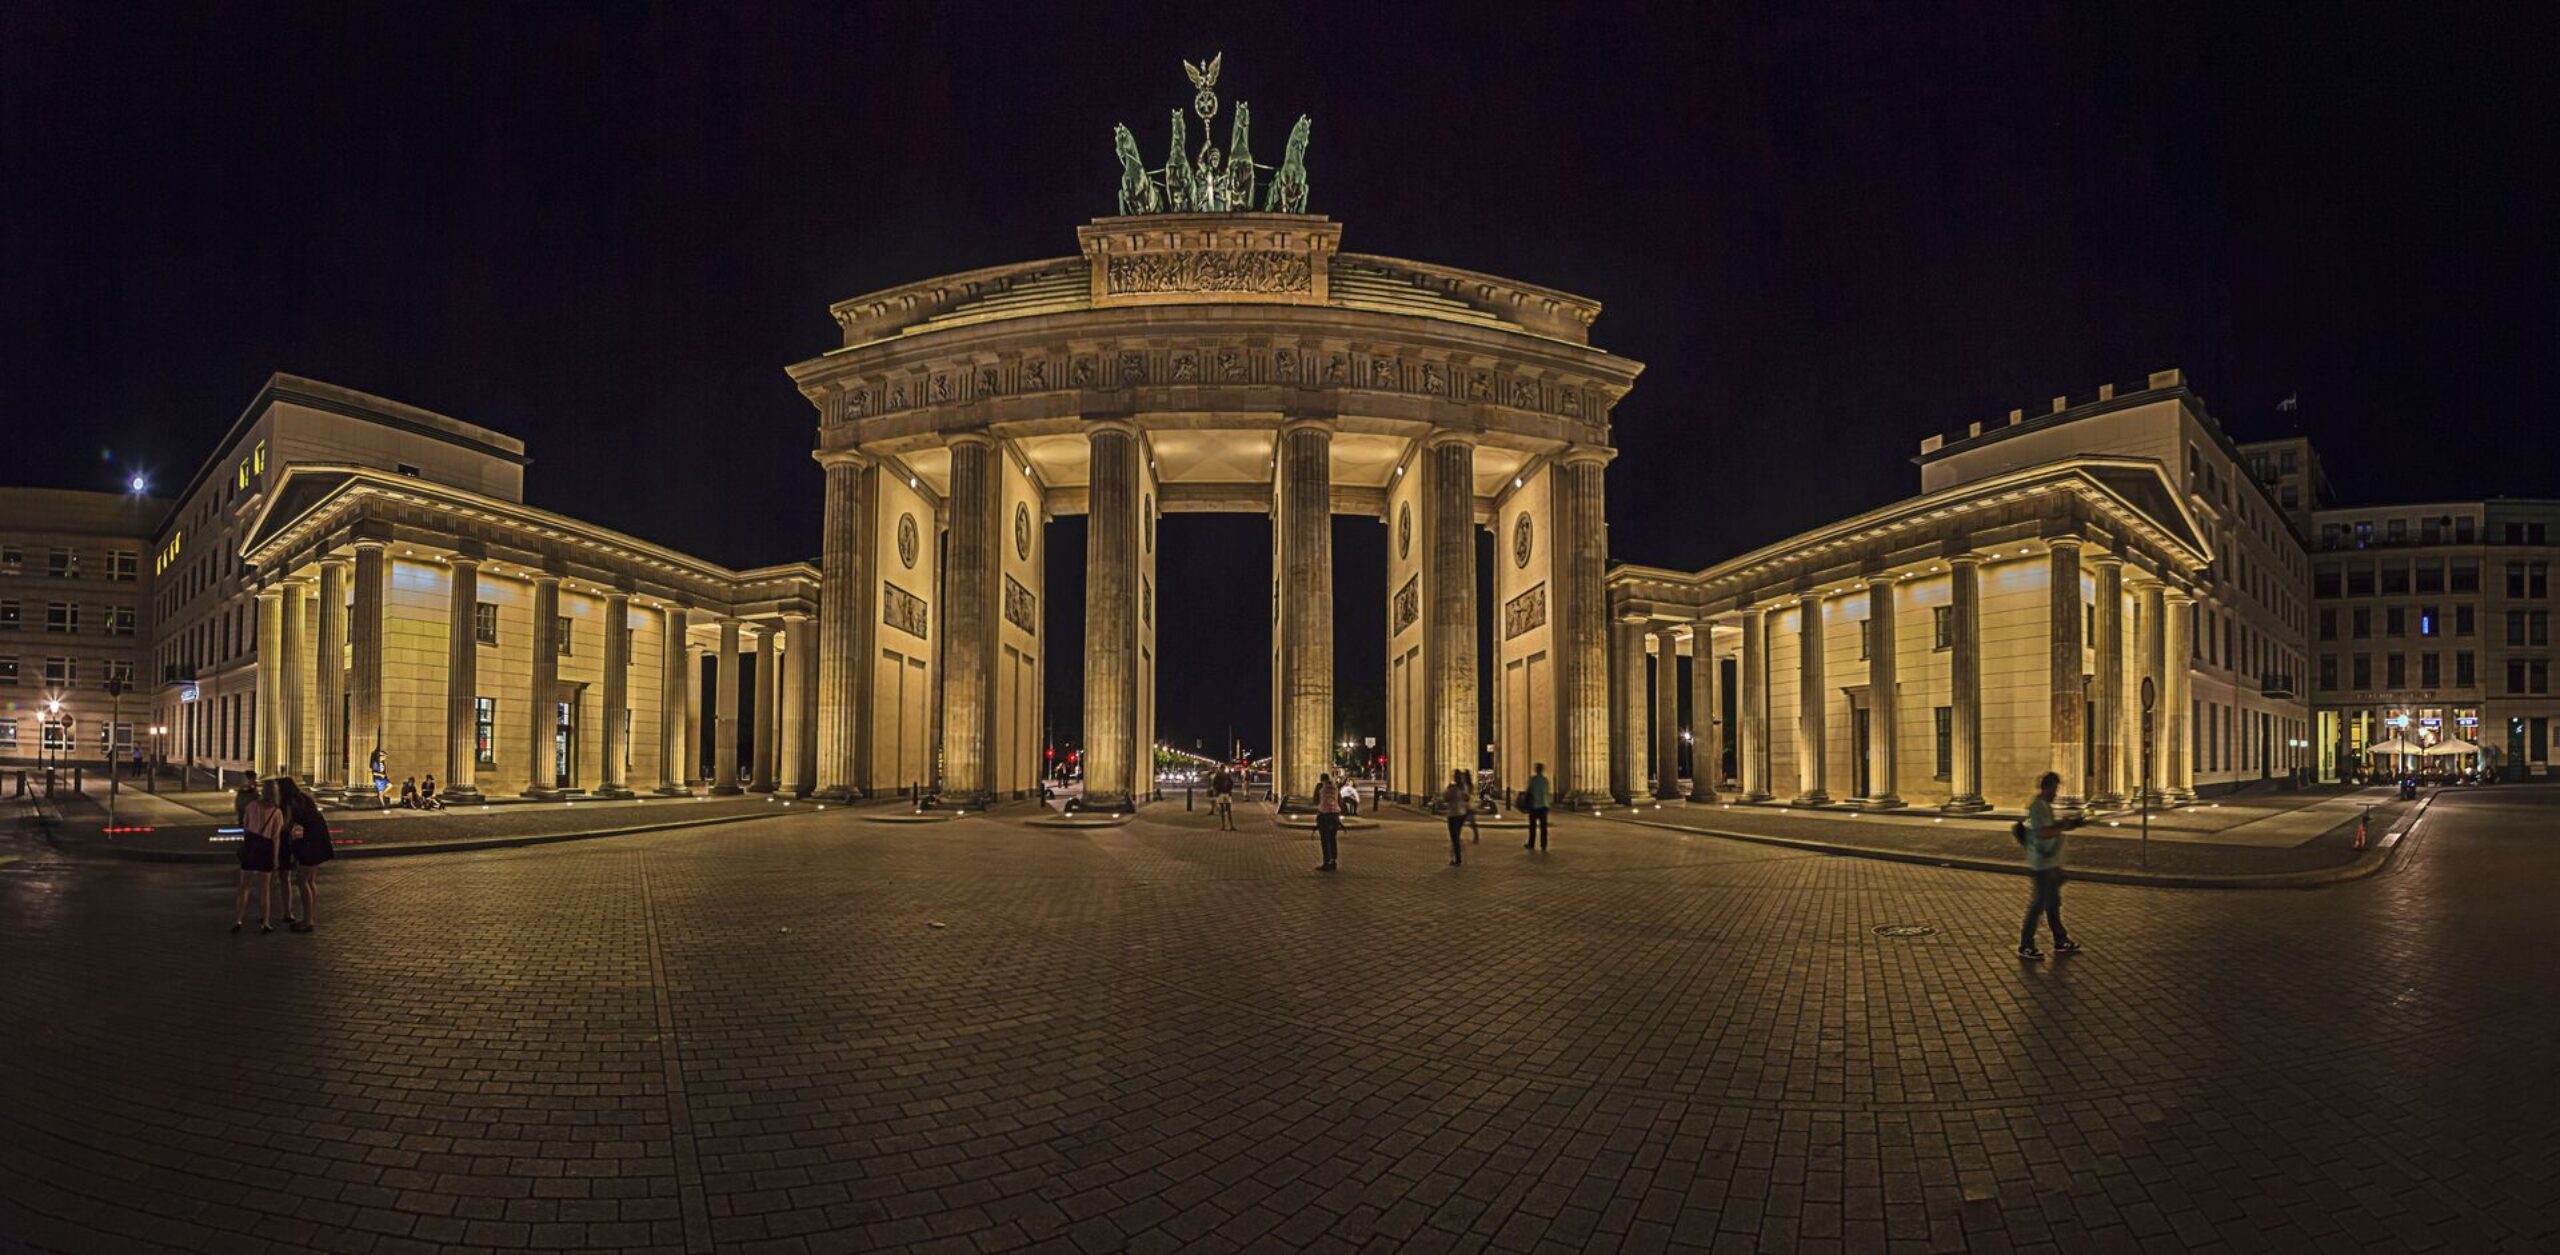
(821, 1035)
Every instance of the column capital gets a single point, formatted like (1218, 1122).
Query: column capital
(2176, 595)
(974, 439)
(1585, 455)
(1096, 424)
(1967, 558)
(1444, 436)
(2105, 557)
(1326, 423)
(2070, 540)
(832, 458)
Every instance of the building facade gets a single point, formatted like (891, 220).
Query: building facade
(75, 589)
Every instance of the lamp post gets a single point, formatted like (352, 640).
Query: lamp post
(159, 753)
(115, 711)
(49, 750)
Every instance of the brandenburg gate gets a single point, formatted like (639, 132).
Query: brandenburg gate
(1201, 354)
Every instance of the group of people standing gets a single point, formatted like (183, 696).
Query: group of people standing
(281, 834)
(1458, 803)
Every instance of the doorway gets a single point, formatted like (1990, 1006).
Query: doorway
(564, 743)
(1860, 765)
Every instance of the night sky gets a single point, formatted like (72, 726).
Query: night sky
(1828, 230)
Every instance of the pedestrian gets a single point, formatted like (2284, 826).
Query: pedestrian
(307, 846)
(262, 829)
(1328, 818)
(240, 799)
(1350, 796)
(1461, 802)
(409, 794)
(1222, 798)
(1536, 799)
(2042, 837)
(381, 779)
(427, 799)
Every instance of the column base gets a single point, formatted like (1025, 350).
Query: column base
(2180, 797)
(1969, 804)
(977, 801)
(1702, 795)
(547, 794)
(1888, 802)
(1759, 797)
(1667, 793)
(614, 793)
(832, 793)
(1120, 805)
(763, 786)
(726, 790)
(465, 795)
(2107, 802)
(672, 790)
(1815, 797)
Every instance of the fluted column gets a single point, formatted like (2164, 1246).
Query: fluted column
(1706, 737)
(1666, 711)
(799, 752)
(724, 748)
(1302, 524)
(2106, 734)
(462, 683)
(1111, 618)
(1627, 708)
(615, 778)
(542, 691)
(1581, 557)
(1813, 700)
(1755, 704)
(675, 706)
(1964, 680)
(842, 656)
(973, 613)
(1884, 697)
(1449, 606)
(2176, 691)
(329, 682)
(364, 668)
(267, 734)
(2066, 695)
(294, 701)
(768, 668)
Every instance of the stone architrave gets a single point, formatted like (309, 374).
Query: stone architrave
(1111, 618)
(1706, 730)
(1813, 699)
(542, 693)
(330, 679)
(2067, 695)
(1666, 711)
(615, 779)
(1302, 527)
(462, 683)
(2106, 732)
(1884, 698)
(1754, 714)
(973, 619)
(364, 670)
(1581, 625)
(1964, 683)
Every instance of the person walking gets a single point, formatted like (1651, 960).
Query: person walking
(1222, 798)
(1328, 818)
(306, 847)
(1536, 799)
(1461, 803)
(262, 829)
(2042, 837)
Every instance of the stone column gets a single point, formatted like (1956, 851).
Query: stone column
(1706, 737)
(268, 733)
(799, 757)
(1627, 708)
(694, 739)
(973, 615)
(842, 657)
(293, 699)
(1581, 649)
(724, 750)
(364, 689)
(1884, 698)
(1111, 618)
(1754, 766)
(1813, 701)
(330, 678)
(2107, 734)
(614, 780)
(1666, 711)
(1302, 524)
(2066, 693)
(462, 683)
(542, 692)
(675, 706)
(768, 669)
(2175, 764)
(1449, 606)
(1964, 682)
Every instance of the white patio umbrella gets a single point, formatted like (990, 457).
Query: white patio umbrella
(2395, 745)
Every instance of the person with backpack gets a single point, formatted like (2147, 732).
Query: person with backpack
(306, 847)
(1328, 818)
(2041, 836)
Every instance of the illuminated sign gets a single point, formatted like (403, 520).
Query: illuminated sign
(187, 694)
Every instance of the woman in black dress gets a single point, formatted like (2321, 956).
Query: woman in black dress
(307, 846)
(262, 828)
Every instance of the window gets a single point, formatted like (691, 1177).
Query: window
(2429, 623)
(2395, 621)
(2466, 671)
(2397, 531)
(2324, 581)
(560, 633)
(2515, 580)
(2465, 621)
(2328, 671)
(484, 728)
(2431, 531)
(2330, 535)
(2464, 531)
(2539, 670)
(1944, 719)
(123, 565)
(9, 733)
(2289, 496)
(484, 622)
(120, 671)
(410, 469)
(61, 616)
(59, 735)
(61, 672)
(2430, 670)
(13, 560)
(2395, 579)
(2395, 671)
(2537, 627)
(2431, 575)
(2515, 675)
(2515, 627)
(2537, 580)
(2328, 625)
(120, 620)
(2364, 533)
(10, 616)
(2363, 672)
(8, 668)
(63, 564)
(2466, 575)
(1942, 627)
(2360, 580)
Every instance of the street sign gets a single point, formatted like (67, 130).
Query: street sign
(2150, 695)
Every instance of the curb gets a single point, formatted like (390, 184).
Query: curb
(444, 847)
(2366, 864)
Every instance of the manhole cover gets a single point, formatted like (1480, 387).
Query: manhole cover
(1904, 930)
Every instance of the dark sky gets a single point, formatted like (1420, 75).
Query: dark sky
(1829, 230)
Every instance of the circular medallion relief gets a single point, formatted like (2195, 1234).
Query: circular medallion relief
(1404, 532)
(1524, 539)
(907, 540)
(1022, 531)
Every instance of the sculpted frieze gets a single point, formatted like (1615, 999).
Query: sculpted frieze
(1262, 272)
(1524, 612)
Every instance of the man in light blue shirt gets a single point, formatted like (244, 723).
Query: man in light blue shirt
(2044, 863)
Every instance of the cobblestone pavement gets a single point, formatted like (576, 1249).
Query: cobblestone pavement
(818, 1034)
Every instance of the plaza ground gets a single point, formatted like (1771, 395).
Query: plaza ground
(817, 1033)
